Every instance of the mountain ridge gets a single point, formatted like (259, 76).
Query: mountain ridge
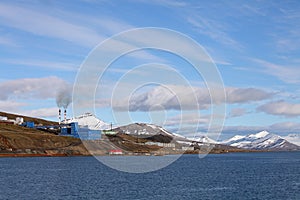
(262, 140)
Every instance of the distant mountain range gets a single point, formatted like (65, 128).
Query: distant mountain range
(150, 133)
(263, 141)
(146, 130)
(257, 141)
(203, 139)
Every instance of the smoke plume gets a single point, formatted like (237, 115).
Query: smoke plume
(64, 96)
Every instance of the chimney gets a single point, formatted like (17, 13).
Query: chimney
(59, 116)
(65, 116)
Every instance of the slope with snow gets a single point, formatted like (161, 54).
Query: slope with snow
(89, 120)
(144, 129)
(148, 130)
(203, 139)
(261, 141)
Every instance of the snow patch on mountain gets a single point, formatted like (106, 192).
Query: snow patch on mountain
(261, 140)
(185, 142)
(259, 135)
(144, 129)
(203, 139)
(89, 120)
(151, 130)
(234, 138)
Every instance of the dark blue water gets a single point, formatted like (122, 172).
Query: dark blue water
(227, 176)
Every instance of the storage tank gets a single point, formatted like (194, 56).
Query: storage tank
(19, 120)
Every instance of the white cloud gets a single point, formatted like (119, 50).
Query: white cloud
(7, 41)
(110, 25)
(246, 95)
(73, 27)
(176, 97)
(44, 64)
(42, 112)
(288, 74)
(280, 108)
(204, 23)
(289, 127)
(31, 88)
(162, 98)
(45, 25)
(10, 106)
(214, 30)
(280, 128)
(187, 119)
(168, 3)
(287, 37)
(237, 112)
(17, 108)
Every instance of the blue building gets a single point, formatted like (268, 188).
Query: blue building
(83, 133)
(28, 124)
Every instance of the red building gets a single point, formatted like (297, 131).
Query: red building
(115, 152)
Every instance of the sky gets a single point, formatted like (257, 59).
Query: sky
(254, 45)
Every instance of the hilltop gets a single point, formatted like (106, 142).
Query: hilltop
(263, 141)
(27, 118)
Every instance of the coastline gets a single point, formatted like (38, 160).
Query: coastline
(18, 155)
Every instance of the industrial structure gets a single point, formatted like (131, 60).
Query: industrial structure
(72, 129)
(59, 116)
(83, 132)
(64, 116)
(28, 124)
(17, 121)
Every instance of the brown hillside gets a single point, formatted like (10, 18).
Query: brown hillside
(15, 139)
(26, 118)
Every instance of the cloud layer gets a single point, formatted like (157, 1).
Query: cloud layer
(14, 94)
(11, 106)
(42, 112)
(282, 128)
(280, 108)
(31, 88)
(237, 112)
(34, 22)
(188, 98)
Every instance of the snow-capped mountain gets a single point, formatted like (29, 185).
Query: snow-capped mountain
(144, 129)
(261, 141)
(147, 131)
(203, 139)
(91, 121)
(150, 130)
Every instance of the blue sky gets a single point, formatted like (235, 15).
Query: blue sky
(254, 44)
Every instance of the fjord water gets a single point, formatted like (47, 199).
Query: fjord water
(225, 176)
